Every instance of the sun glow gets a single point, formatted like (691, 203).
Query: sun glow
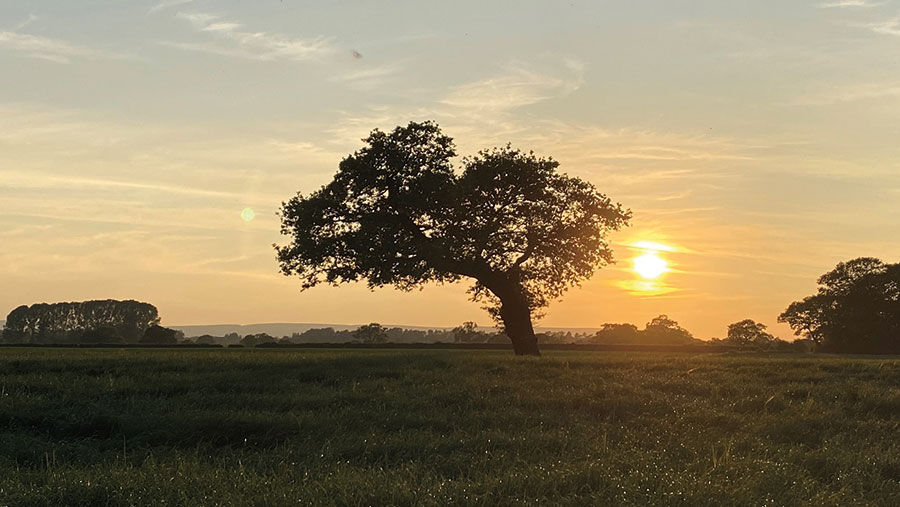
(650, 265)
(652, 246)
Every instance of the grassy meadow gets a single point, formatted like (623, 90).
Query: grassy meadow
(445, 427)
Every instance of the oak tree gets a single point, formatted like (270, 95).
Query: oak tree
(398, 213)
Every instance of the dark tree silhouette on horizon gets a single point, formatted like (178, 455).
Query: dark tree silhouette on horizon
(663, 330)
(159, 335)
(396, 213)
(749, 332)
(68, 322)
(370, 333)
(856, 309)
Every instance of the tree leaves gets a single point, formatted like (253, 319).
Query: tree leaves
(397, 213)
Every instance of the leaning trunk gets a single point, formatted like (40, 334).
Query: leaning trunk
(516, 317)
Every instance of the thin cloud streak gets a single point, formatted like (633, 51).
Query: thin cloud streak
(887, 27)
(851, 3)
(165, 4)
(55, 50)
(851, 93)
(262, 46)
(31, 18)
(369, 77)
(516, 88)
(21, 180)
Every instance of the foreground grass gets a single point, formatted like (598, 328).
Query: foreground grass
(320, 427)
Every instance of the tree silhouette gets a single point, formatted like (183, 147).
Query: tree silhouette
(254, 340)
(159, 335)
(616, 334)
(468, 332)
(856, 309)
(748, 332)
(370, 333)
(662, 330)
(100, 335)
(62, 322)
(397, 214)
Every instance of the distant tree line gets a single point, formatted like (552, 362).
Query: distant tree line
(855, 310)
(104, 321)
(119, 322)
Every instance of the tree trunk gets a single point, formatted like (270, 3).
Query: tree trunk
(517, 320)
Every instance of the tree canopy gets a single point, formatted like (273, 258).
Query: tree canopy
(748, 332)
(371, 333)
(617, 334)
(398, 213)
(65, 322)
(663, 330)
(856, 309)
(159, 335)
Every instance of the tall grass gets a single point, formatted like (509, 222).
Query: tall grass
(395, 427)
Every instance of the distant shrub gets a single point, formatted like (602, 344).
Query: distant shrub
(253, 340)
(161, 336)
(101, 335)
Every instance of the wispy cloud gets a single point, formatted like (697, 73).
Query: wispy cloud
(849, 93)
(488, 112)
(31, 18)
(850, 3)
(518, 86)
(17, 179)
(368, 77)
(165, 4)
(230, 39)
(887, 27)
(56, 50)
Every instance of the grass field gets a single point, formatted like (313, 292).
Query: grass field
(395, 427)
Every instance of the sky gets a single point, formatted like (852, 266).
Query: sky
(755, 142)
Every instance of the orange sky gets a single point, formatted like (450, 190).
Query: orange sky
(758, 142)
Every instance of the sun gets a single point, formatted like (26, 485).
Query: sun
(650, 265)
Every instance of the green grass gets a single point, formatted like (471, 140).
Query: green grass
(407, 427)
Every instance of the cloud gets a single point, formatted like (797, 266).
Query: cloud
(232, 41)
(489, 112)
(368, 77)
(21, 180)
(851, 3)
(849, 93)
(31, 18)
(55, 50)
(165, 4)
(515, 88)
(888, 27)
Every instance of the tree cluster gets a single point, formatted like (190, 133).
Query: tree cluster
(855, 310)
(158, 335)
(105, 321)
(660, 330)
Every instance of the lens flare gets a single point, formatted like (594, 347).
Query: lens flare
(247, 214)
